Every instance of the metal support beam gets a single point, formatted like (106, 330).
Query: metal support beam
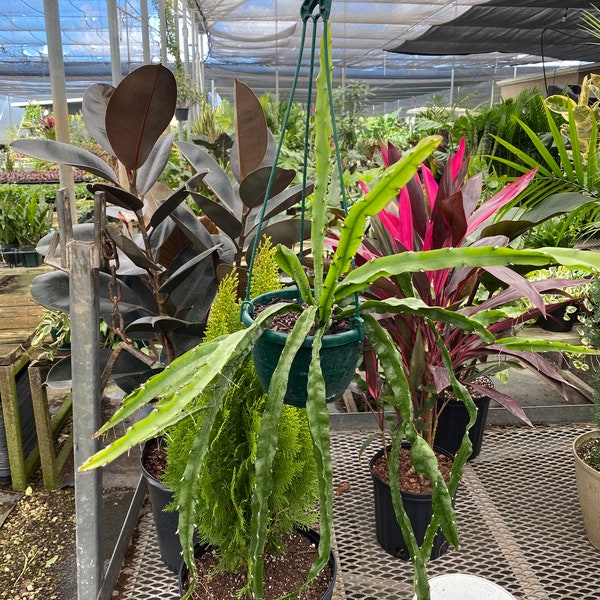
(59, 94)
(185, 38)
(145, 26)
(113, 38)
(162, 20)
(84, 258)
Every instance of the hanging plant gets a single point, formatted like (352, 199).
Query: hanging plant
(329, 296)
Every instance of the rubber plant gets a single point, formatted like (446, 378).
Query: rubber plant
(168, 262)
(213, 365)
(159, 259)
(234, 206)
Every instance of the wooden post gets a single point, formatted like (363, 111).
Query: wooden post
(21, 466)
(47, 427)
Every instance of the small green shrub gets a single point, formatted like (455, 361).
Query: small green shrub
(223, 509)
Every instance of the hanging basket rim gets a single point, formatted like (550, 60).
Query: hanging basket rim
(277, 337)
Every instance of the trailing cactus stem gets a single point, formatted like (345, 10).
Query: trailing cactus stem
(215, 363)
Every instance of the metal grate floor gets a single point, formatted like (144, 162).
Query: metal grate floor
(144, 575)
(518, 518)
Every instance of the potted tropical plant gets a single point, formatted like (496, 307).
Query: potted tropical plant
(8, 237)
(233, 205)
(213, 365)
(427, 215)
(152, 242)
(25, 217)
(188, 94)
(156, 244)
(52, 334)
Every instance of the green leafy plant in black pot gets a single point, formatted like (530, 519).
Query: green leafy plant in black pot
(188, 94)
(8, 237)
(25, 217)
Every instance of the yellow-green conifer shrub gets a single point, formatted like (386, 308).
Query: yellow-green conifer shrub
(265, 273)
(223, 508)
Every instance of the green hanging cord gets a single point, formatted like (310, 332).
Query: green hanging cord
(310, 89)
(308, 7)
(357, 321)
(306, 13)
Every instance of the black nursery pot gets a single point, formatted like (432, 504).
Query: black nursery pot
(181, 114)
(30, 256)
(10, 254)
(555, 320)
(313, 536)
(453, 421)
(339, 355)
(418, 508)
(166, 523)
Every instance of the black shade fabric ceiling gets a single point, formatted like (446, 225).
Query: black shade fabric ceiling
(543, 28)
(407, 51)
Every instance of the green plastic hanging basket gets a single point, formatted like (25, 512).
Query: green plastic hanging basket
(339, 355)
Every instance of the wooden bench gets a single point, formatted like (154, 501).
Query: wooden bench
(23, 397)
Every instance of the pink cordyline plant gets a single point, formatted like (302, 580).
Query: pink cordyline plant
(428, 215)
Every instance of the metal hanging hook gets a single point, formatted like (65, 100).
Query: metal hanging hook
(308, 7)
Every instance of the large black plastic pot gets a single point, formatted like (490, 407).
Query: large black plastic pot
(313, 536)
(418, 508)
(10, 254)
(165, 522)
(30, 256)
(453, 421)
(339, 355)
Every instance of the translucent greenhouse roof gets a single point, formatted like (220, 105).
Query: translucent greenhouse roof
(402, 49)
